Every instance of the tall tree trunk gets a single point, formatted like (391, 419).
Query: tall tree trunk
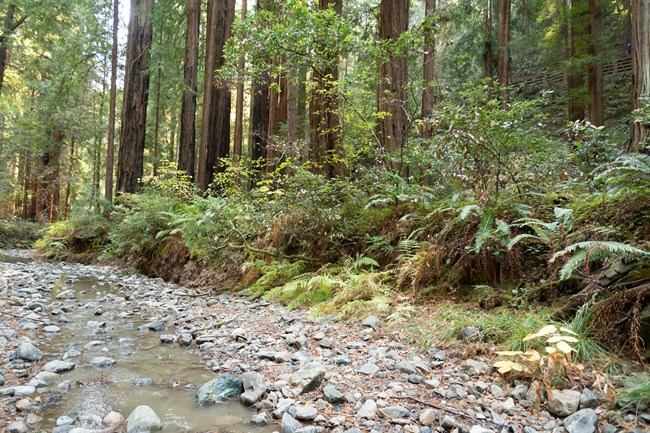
(239, 108)
(156, 127)
(27, 186)
(187, 145)
(488, 56)
(20, 178)
(393, 80)
(292, 109)
(324, 121)
(595, 82)
(8, 29)
(259, 119)
(215, 136)
(575, 75)
(136, 96)
(47, 208)
(110, 152)
(503, 55)
(68, 181)
(640, 69)
(429, 66)
(259, 114)
(272, 127)
(4, 41)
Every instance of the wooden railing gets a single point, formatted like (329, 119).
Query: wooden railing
(622, 65)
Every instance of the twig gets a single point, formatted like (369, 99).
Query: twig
(191, 295)
(446, 409)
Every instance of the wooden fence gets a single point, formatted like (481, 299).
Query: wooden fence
(622, 65)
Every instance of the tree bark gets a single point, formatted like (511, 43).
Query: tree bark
(136, 96)
(575, 74)
(429, 67)
(8, 29)
(68, 181)
(324, 121)
(393, 80)
(595, 82)
(292, 110)
(187, 145)
(640, 69)
(156, 127)
(239, 108)
(488, 56)
(110, 152)
(215, 136)
(503, 55)
(272, 127)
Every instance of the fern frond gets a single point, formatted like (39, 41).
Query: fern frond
(588, 251)
(514, 241)
(484, 231)
(468, 210)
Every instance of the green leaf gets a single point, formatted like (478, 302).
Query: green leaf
(484, 231)
(514, 241)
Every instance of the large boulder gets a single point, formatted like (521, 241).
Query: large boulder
(224, 387)
(308, 377)
(143, 419)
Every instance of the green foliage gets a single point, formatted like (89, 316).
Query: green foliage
(18, 234)
(84, 233)
(136, 223)
(636, 392)
(582, 253)
(349, 290)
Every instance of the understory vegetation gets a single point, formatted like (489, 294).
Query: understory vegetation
(520, 227)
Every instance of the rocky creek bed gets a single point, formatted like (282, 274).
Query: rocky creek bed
(93, 349)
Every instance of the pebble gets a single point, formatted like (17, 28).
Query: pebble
(368, 369)
(368, 410)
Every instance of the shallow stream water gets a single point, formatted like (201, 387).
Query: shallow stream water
(146, 372)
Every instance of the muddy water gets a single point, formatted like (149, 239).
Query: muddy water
(173, 373)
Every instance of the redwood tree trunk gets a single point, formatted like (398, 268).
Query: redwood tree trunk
(68, 181)
(272, 127)
(503, 56)
(324, 121)
(429, 66)
(187, 145)
(8, 29)
(239, 108)
(575, 75)
(640, 68)
(136, 96)
(215, 134)
(488, 56)
(595, 82)
(156, 127)
(393, 80)
(110, 153)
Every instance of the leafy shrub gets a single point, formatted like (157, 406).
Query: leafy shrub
(18, 234)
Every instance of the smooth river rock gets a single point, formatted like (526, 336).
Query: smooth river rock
(143, 419)
(58, 366)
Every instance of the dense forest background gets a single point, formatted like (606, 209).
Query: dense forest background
(353, 155)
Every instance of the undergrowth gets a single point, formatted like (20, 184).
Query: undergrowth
(494, 214)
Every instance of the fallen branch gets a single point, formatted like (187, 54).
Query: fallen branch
(191, 295)
(447, 409)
